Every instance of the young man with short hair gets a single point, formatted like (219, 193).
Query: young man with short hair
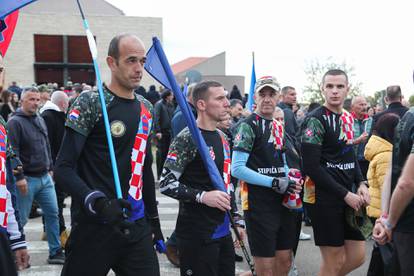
(204, 240)
(330, 163)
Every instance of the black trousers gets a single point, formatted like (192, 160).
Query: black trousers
(207, 258)
(7, 265)
(404, 245)
(60, 195)
(299, 217)
(94, 249)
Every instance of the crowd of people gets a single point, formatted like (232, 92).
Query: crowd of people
(344, 167)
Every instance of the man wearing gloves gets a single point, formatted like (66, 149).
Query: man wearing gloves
(110, 233)
(257, 160)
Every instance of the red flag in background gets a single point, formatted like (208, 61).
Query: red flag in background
(7, 26)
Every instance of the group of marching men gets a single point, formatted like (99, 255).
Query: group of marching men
(275, 170)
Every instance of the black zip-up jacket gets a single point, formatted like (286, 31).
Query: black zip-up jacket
(163, 116)
(55, 123)
(29, 139)
(291, 126)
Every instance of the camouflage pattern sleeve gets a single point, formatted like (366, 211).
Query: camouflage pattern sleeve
(150, 109)
(182, 151)
(244, 138)
(84, 113)
(9, 149)
(2, 121)
(313, 132)
(16, 164)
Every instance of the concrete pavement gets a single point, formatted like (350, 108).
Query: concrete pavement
(307, 260)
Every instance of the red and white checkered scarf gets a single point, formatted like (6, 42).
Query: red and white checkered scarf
(138, 154)
(278, 132)
(227, 165)
(347, 121)
(3, 188)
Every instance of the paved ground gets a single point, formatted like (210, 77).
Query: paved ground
(307, 260)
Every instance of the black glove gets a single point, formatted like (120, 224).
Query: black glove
(283, 185)
(156, 229)
(112, 211)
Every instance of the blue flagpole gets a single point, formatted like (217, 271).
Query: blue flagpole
(250, 99)
(185, 90)
(201, 144)
(94, 53)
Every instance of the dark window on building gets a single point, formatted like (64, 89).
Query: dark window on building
(60, 58)
(48, 48)
(78, 50)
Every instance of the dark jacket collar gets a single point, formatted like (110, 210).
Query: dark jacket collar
(395, 105)
(283, 105)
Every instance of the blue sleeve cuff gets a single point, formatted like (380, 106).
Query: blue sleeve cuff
(90, 201)
(242, 172)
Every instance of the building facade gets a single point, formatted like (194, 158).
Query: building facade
(196, 69)
(49, 43)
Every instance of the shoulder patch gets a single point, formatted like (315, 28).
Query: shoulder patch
(74, 114)
(238, 137)
(309, 132)
(313, 131)
(172, 156)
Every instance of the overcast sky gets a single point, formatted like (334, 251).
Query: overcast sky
(376, 37)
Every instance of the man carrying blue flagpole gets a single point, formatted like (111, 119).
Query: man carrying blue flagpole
(204, 240)
(110, 232)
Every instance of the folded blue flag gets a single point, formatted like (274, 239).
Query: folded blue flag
(9, 6)
(158, 67)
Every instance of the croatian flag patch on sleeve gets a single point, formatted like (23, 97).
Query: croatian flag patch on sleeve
(74, 114)
(172, 156)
